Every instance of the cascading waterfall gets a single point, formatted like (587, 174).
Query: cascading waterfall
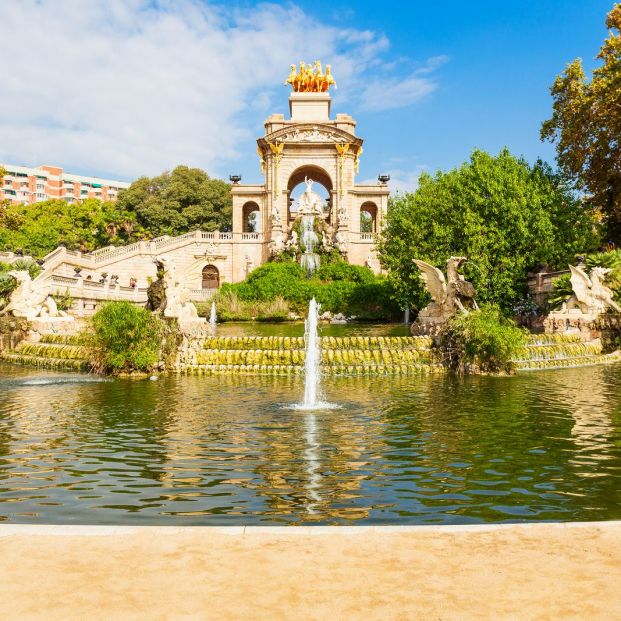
(310, 259)
(213, 316)
(313, 356)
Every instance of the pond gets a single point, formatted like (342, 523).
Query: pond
(228, 450)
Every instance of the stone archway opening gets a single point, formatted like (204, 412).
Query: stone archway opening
(323, 186)
(368, 217)
(251, 218)
(211, 277)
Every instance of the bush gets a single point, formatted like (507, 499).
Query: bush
(64, 302)
(483, 341)
(8, 284)
(125, 338)
(338, 286)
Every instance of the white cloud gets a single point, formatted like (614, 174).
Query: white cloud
(130, 87)
(385, 93)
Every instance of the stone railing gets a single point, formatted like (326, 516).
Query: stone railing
(201, 295)
(80, 289)
(367, 237)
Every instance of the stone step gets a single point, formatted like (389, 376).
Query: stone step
(281, 369)
(295, 356)
(48, 363)
(563, 363)
(297, 342)
(52, 350)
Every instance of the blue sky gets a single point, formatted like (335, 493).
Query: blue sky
(140, 86)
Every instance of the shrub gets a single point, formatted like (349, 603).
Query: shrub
(340, 270)
(65, 301)
(483, 341)
(561, 291)
(8, 284)
(338, 286)
(125, 338)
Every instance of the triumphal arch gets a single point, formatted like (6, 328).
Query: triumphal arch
(311, 145)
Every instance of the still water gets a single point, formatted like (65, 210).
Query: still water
(228, 450)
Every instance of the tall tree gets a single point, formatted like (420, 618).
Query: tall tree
(503, 214)
(178, 201)
(586, 127)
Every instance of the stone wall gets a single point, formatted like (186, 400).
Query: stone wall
(13, 330)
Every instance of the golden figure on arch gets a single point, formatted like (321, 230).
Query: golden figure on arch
(310, 79)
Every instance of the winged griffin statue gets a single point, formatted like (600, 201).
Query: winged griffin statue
(30, 299)
(450, 295)
(591, 296)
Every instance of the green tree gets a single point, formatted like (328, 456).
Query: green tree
(503, 214)
(586, 124)
(39, 228)
(178, 201)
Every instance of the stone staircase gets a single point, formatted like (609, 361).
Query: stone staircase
(557, 351)
(276, 355)
(53, 351)
(280, 355)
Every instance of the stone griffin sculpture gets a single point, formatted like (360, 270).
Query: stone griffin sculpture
(30, 300)
(590, 293)
(590, 300)
(450, 295)
(310, 79)
(167, 296)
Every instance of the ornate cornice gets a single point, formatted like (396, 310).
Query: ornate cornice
(309, 133)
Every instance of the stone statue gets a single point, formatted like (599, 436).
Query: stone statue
(30, 300)
(591, 296)
(449, 296)
(340, 241)
(293, 241)
(168, 296)
(275, 215)
(590, 299)
(310, 203)
(277, 243)
(325, 241)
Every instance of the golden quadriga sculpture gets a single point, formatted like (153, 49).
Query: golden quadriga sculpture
(310, 78)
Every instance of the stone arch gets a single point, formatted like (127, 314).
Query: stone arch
(210, 277)
(368, 217)
(251, 217)
(317, 174)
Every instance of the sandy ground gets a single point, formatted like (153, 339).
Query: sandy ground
(543, 571)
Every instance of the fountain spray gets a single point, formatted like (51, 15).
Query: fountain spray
(213, 316)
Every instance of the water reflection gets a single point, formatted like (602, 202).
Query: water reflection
(439, 449)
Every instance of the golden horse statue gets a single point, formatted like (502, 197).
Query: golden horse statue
(310, 78)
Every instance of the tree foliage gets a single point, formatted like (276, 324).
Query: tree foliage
(586, 126)
(178, 201)
(505, 215)
(39, 228)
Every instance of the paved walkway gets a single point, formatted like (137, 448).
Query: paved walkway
(543, 571)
